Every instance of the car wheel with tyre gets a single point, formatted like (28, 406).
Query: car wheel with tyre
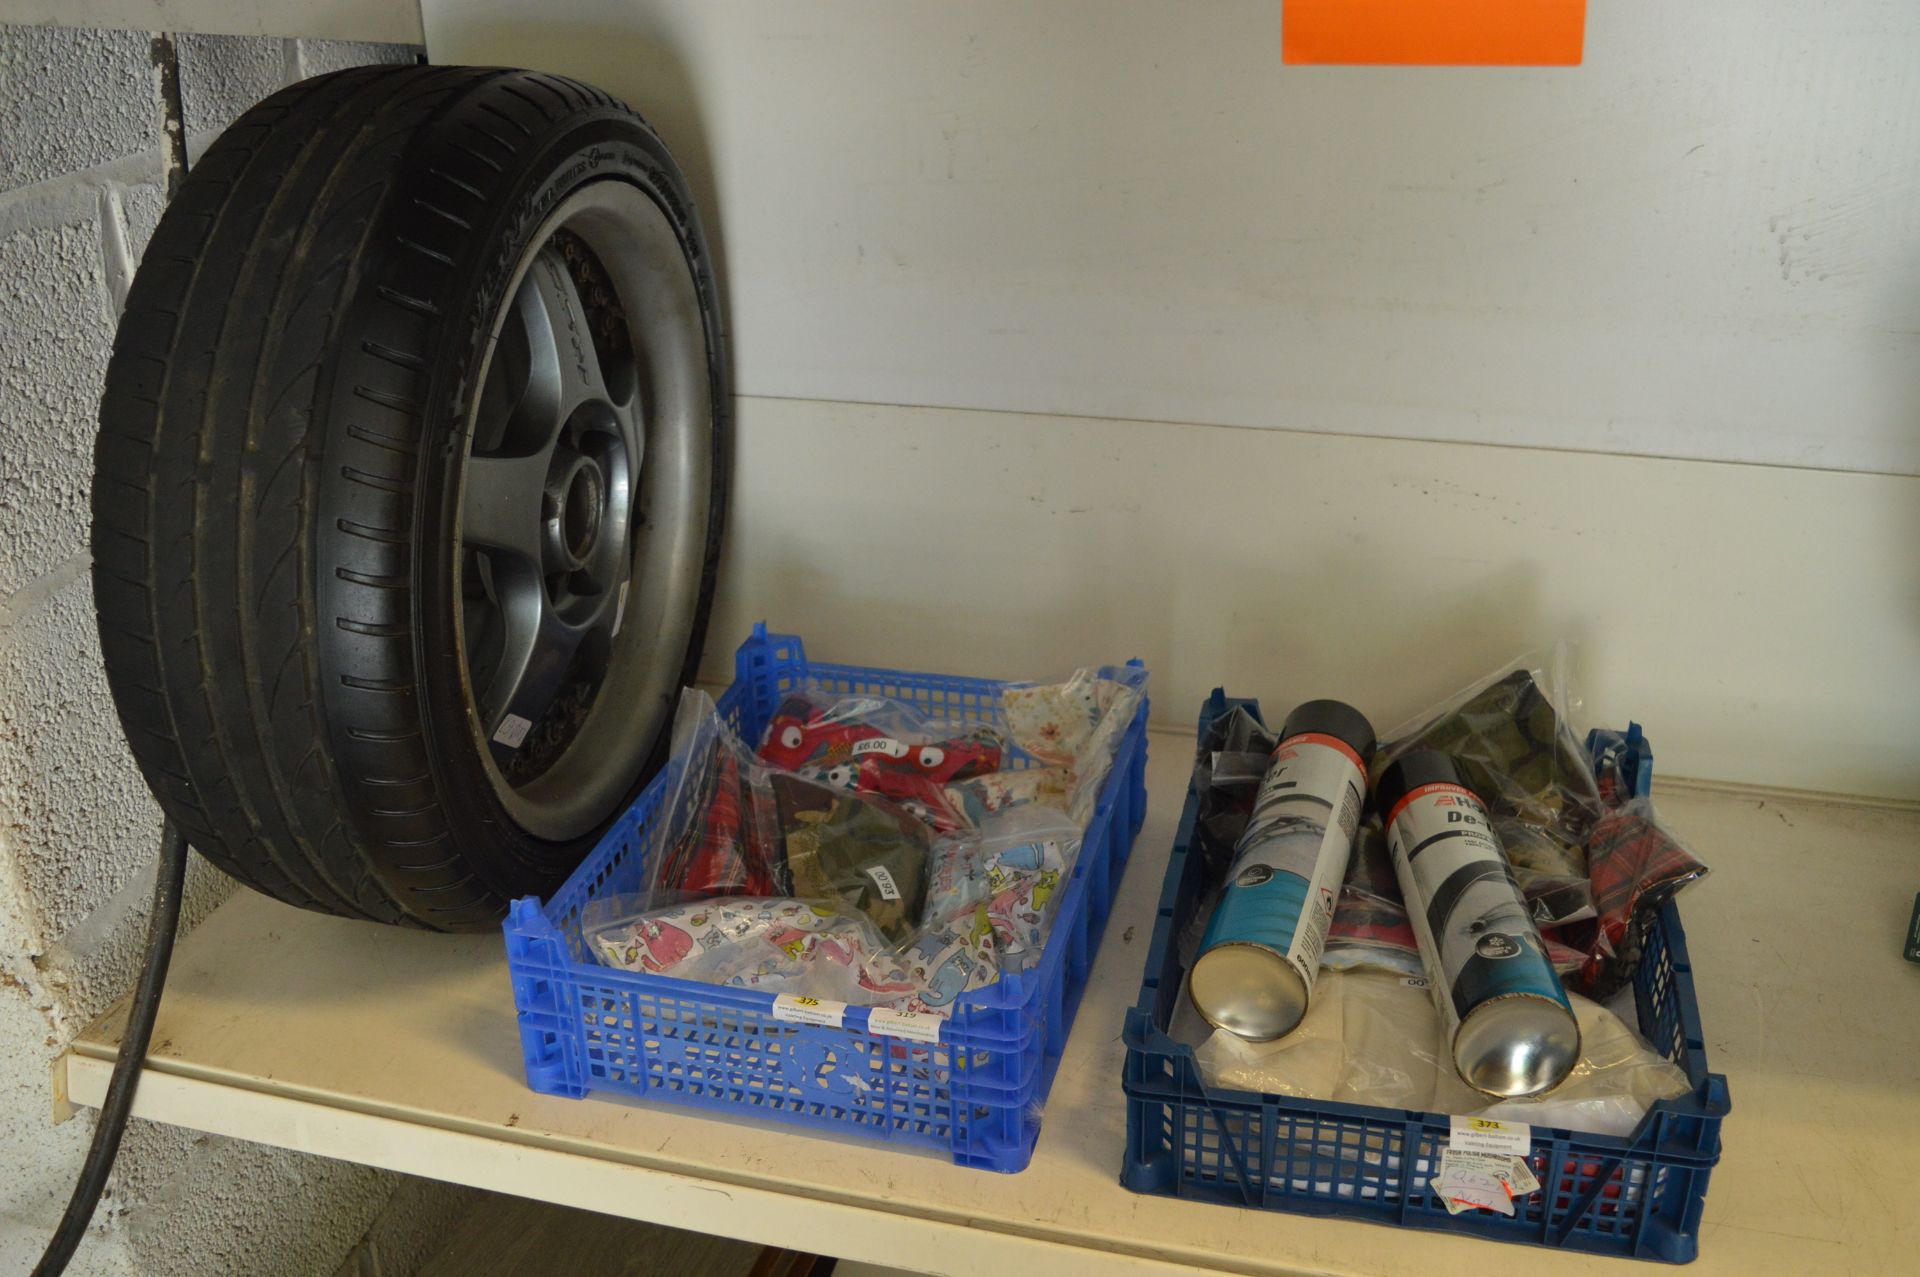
(409, 487)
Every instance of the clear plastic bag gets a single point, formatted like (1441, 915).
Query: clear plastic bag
(721, 834)
(1370, 924)
(1619, 1077)
(897, 867)
(735, 827)
(1075, 726)
(1637, 864)
(1009, 877)
(1055, 722)
(773, 944)
(1511, 736)
(879, 747)
(952, 957)
(1391, 1053)
(856, 849)
(1592, 862)
(1307, 1063)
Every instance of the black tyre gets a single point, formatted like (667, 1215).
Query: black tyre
(409, 487)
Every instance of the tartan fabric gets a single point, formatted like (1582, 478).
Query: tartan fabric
(1636, 866)
(725, 851)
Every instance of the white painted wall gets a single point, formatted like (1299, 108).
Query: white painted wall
(1705, 242)
(396, 21)
(1762, 623)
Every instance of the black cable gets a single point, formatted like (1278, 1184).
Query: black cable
(169, 881)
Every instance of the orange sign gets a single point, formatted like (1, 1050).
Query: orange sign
(1433, 32)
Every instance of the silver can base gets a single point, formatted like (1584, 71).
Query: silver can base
(1518, 1045)
(1249, 990)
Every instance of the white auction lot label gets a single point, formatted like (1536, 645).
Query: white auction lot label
(920, 1026)
(820, 1011)
(1485, 1135)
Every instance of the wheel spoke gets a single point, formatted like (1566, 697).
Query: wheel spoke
(527, 362)
(558, 333)
(501, 509)
(633, 434)
(585, 506)
(534, 663)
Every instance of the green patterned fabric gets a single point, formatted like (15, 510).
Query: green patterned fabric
(1516, 754)
(855, 848)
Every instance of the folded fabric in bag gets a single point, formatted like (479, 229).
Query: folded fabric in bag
(1638, 865)
(850, 847)
(738, 828)
(931, 871)
(787, 946)
(980, 797)
(1592, 861)
(1374, 1038)
(726, 843)
(1010, 882)
(1076, 726)
(879, 747)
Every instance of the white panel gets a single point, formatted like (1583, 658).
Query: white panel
(396, 21)
(1763, 623)
(1705, 242)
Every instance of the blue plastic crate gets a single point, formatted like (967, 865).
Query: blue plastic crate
(1639, 1196)
(974, 1096)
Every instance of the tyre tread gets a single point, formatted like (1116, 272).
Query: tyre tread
(261, 459)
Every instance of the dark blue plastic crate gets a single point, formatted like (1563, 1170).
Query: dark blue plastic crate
(1639, 1196)
(974, 1096)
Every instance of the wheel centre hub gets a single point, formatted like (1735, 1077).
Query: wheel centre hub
(577, 494)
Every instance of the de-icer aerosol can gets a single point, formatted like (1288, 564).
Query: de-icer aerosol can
(1257, 961)
(1510, 1029)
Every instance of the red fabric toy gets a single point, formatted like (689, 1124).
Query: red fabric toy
(871, 747)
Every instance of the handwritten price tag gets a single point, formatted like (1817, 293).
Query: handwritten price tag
(797, 1010)
(1482, 1181)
